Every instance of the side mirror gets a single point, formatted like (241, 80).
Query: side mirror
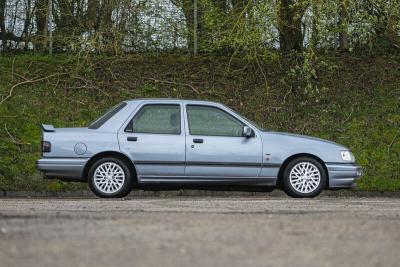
(248, 132)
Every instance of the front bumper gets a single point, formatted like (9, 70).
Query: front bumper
(343, 175)
(64, 168)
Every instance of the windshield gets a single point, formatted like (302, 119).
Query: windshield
(106, 116)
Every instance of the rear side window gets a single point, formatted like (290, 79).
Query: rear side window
(106, 116)
(157, 119)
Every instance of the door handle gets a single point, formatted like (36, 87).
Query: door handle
(132, 138)
(198, 140)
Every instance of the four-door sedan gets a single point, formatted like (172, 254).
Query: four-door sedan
(171, 141)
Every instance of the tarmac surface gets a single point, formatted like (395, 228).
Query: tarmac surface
(200, 231)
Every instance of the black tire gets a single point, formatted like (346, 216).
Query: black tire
(126, 187)
(291, 191)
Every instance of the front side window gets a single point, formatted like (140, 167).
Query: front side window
(205, 120)
(157, 119)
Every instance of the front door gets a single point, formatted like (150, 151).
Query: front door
(216, 147)
(155, 140)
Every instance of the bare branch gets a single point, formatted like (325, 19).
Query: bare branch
(26, 82)
(13, 139)
(171, 82)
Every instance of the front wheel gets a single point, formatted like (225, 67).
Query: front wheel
(110, 178)
(304, 177)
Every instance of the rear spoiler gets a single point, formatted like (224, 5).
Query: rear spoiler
(48, 128)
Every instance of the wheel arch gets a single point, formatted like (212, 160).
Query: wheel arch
(113, 154)
(299, 155)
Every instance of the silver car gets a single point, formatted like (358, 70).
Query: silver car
(173, 141)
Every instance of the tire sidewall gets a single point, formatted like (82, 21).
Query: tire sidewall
(293, 192)
(123, 191)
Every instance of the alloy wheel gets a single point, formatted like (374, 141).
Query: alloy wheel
(109, 177)
(305, 177)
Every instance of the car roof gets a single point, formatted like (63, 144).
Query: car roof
(166, 100)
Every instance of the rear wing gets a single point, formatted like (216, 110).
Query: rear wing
(48, 128)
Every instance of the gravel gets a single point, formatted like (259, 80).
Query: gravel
(200, 231)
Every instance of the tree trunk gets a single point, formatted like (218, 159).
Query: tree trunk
(27, 22)
(316, 10)
(106, 26)
(91, 15)
(2, 25)
(67, 24)
(41, 23)
(4, 35)
(343, 21)
(188, 11)
(289, 23)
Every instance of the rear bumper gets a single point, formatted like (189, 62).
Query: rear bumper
(64, 168)
(343, 175)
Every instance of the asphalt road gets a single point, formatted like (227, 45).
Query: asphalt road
(249, 231)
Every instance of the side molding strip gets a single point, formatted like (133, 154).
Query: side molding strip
(203, 163)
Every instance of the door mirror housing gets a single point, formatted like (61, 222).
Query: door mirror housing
(248, 132)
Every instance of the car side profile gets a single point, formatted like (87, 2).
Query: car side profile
(173, 141)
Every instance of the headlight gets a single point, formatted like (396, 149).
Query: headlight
(347, 155)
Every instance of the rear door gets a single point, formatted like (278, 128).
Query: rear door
(155, 140)
(216, 147)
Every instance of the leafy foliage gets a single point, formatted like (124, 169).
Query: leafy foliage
(355, 102)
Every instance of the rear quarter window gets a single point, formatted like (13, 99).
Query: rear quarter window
(96, 124)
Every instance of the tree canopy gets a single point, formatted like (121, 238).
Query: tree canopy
(216, 26)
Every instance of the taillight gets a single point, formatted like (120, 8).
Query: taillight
(46, 146)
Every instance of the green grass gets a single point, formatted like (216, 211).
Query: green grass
(357, 103)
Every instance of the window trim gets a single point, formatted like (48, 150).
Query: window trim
(130, 122)
(210, 106)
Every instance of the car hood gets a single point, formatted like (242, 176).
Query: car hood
(283, 135)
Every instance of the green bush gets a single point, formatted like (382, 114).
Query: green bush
(353, 101)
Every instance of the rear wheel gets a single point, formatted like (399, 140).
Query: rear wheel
(304, 177)
(110, 178)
